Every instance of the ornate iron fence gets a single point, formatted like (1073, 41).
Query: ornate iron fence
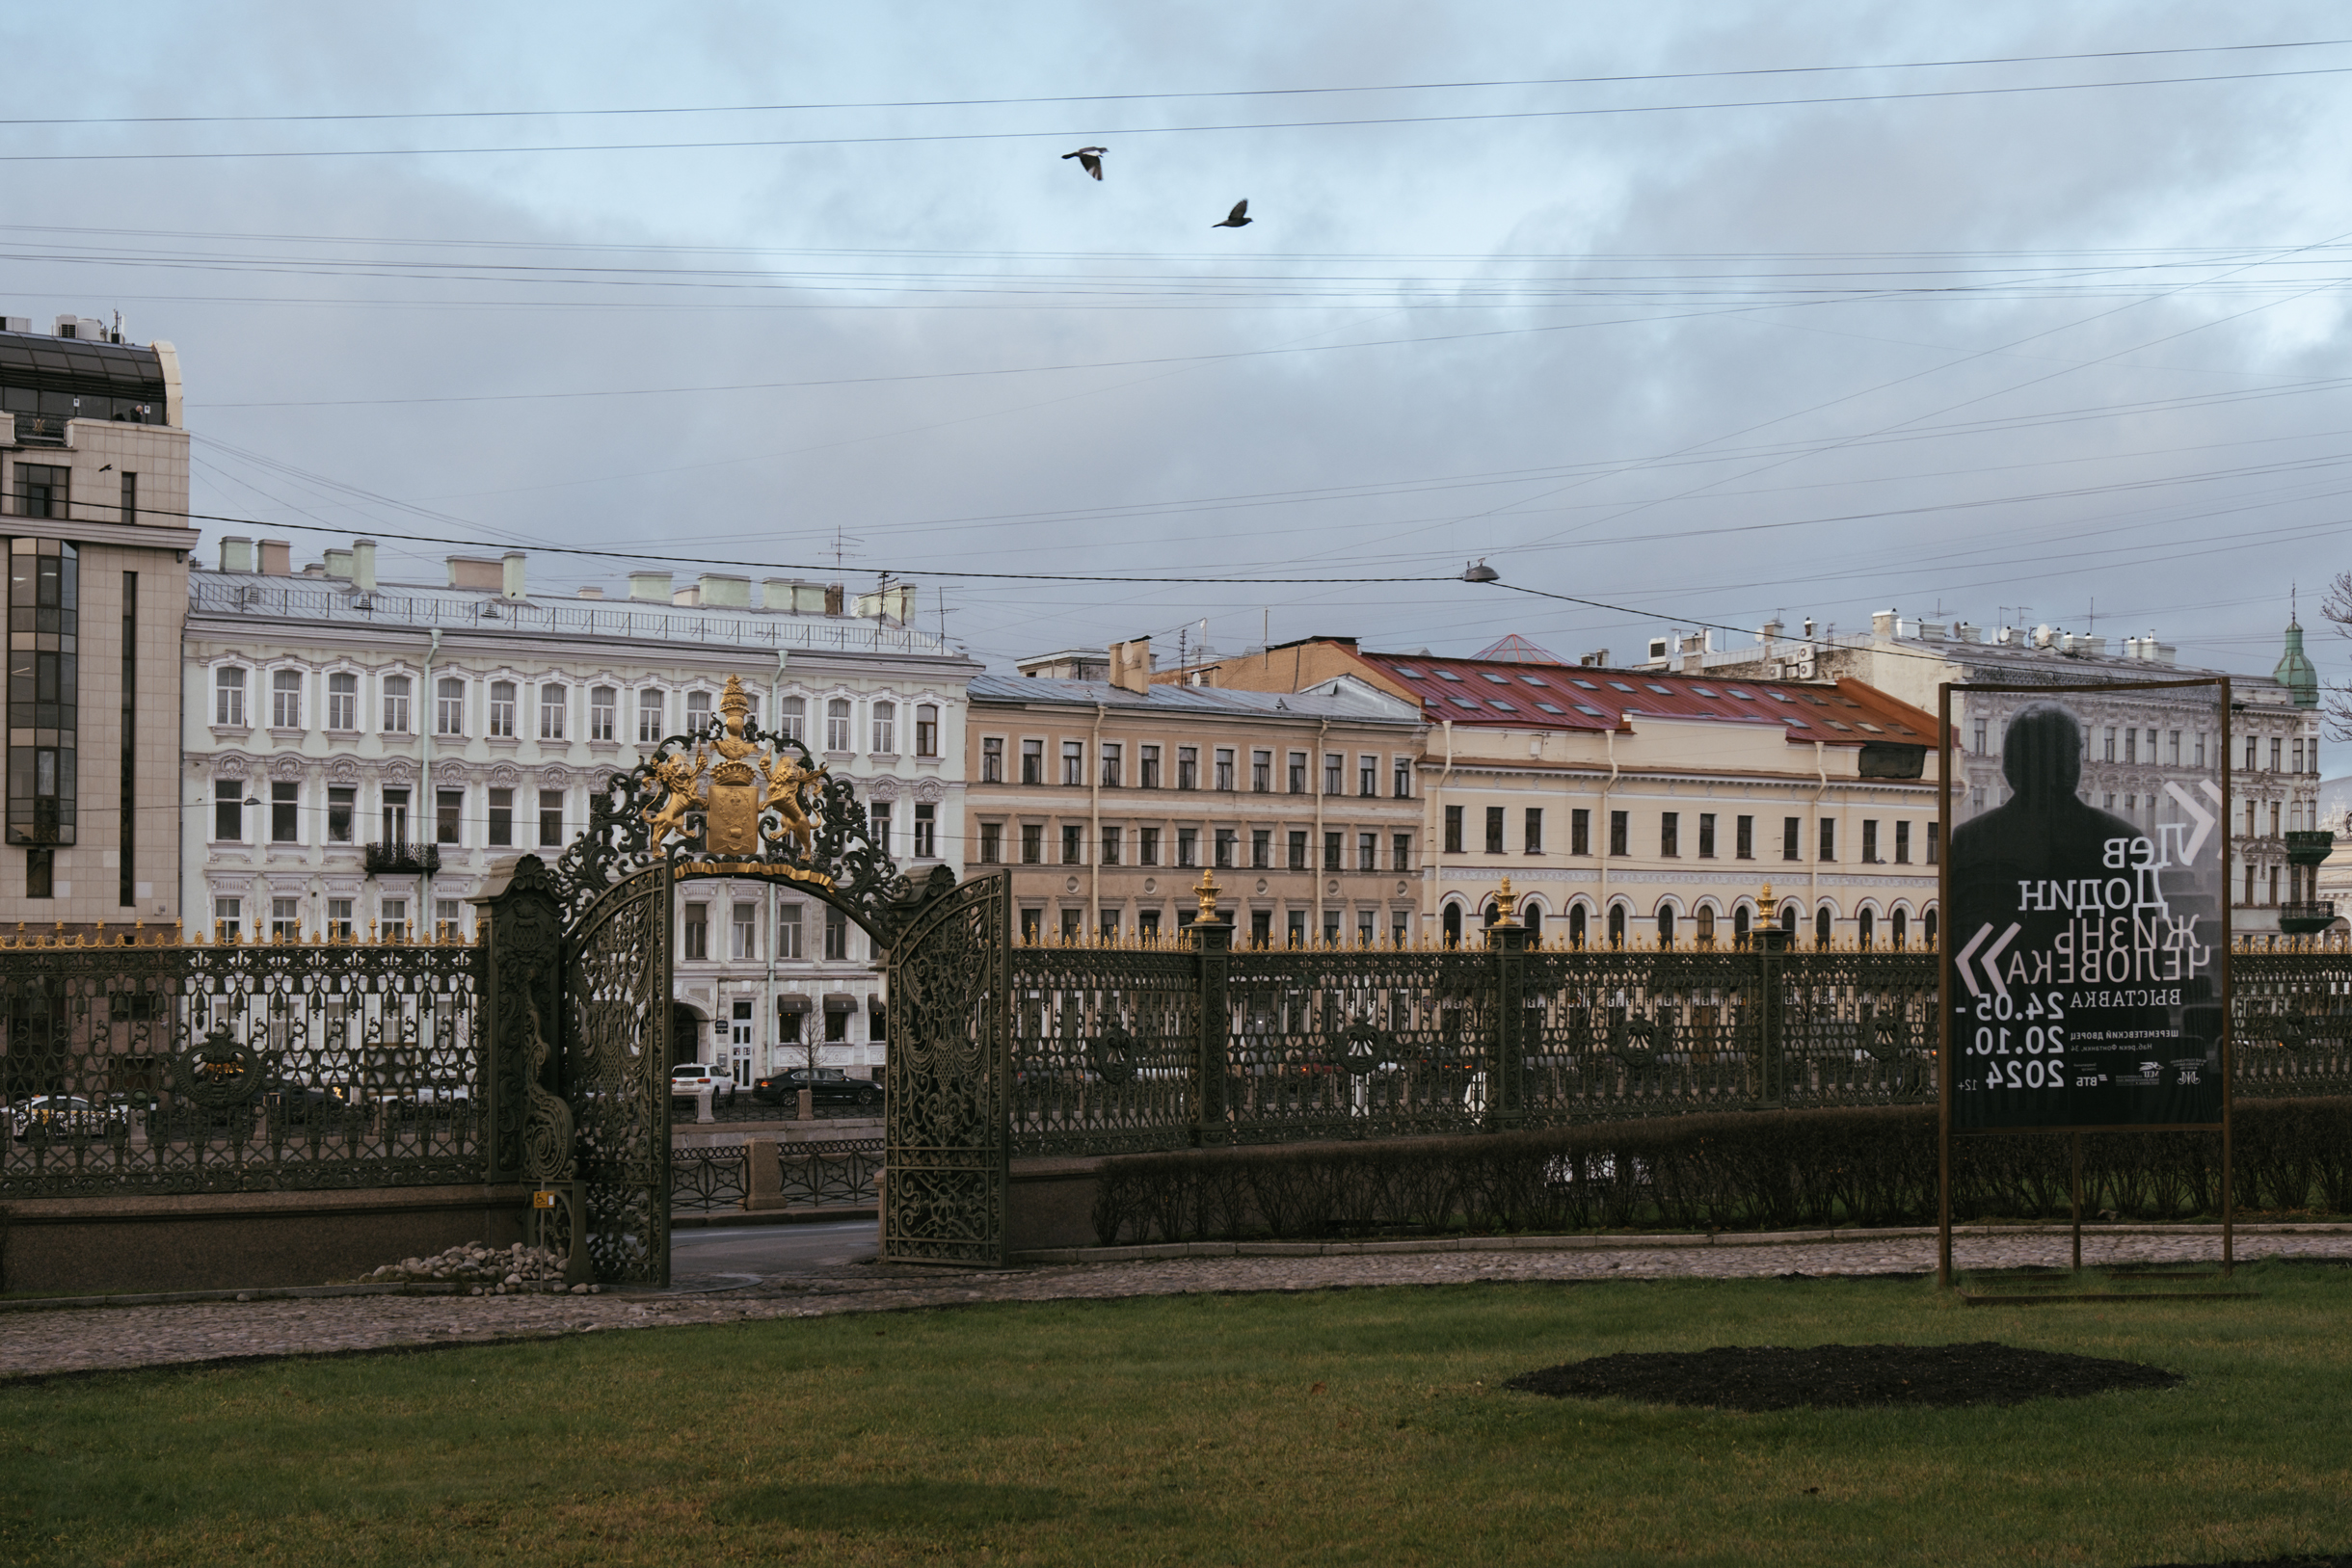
(1133, 1048)
(831, 1172)
(136, 1063)
(706, 1177)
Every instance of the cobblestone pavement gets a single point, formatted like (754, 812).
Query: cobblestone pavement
(67, 1339)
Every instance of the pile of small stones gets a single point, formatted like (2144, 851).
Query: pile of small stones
(490, 1270)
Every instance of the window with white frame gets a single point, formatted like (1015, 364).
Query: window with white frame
(926, 730)
(395, 925)
(793, 718)
(836, 725)
(553, 700)
(343, 701)
(396, 704)
(788, 930)
(286, 699)
(229, 696)
(698, 712)
(886, 729)
(450, 706)
(652, 715)
(746, 926)
(601, 701)
(502, 709)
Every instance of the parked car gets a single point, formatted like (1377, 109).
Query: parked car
(62, 1116)
(688, 1079)
(826, 1086)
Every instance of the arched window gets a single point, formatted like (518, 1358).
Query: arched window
(450, 706)
(502, 708)
(1616, 925)
(1739, 926)
(1576, 927)
(836, 725)
(396, 704)
(1863, 926)
(1821, 927)
(1666, 925)
(1900, 920)
(1532, 917)
(1451, 924)
(926, 730)
(554, 702)
(1927, 927)
(1788, 922)
(1707, 927)
(886, 729)
(604, 702)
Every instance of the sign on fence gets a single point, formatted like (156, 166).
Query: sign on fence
(2084, 981)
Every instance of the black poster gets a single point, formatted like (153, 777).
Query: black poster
(2083, 964)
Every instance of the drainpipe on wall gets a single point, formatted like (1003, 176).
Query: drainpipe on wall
(1821, 770)
(1315, 850)
(1434, 827)
(1094, 820)
(1608, 793)
(428, 708)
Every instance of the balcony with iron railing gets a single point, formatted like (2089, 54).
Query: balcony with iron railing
(2307, 919)
(2308, 848)
(398, 856)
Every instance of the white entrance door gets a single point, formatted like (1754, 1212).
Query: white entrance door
(740, 1043)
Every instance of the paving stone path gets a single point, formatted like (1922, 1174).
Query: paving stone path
(87, 1338)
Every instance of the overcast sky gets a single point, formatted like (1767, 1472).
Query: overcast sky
(1948, 338)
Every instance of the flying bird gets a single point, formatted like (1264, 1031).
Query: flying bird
(1090, 159)
(1239, 216)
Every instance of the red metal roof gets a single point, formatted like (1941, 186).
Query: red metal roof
(1512, 693)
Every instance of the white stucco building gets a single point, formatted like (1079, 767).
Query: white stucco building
(361, 756)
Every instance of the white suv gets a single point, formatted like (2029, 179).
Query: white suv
(690, 1079)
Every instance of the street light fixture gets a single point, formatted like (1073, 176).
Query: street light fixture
(1479, 571)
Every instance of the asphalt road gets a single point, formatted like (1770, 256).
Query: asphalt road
(771, 1250)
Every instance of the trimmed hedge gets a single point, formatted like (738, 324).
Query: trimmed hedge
(1729, 1172)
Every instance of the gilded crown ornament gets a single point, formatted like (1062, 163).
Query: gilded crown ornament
(1208, 894)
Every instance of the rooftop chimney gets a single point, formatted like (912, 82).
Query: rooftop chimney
(591, 593)
(1131, 665)
(363, 564)
(722, 592)
(688, 597)
(478, 572)
(276, 558)
(236, 554)
(1882, 625)
(652, 586)
(512, 585)
(1771, 630)
(337, 563)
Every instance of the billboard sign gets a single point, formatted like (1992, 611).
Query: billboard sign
(2084, 959)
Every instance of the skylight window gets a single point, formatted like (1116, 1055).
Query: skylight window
(1548, 707)
(1594, 711)
(1620, 685)
(1465, 702)
(1743, 697)
(1498, 702)
(1533, 680)
(1796, 723)
(1703, 691)
(1409, 672)
(1586, 684)
(1663, 691)
(1447, 674)
(1834, 725)
(1872, 727)
(1782, 697)
(1500, 681)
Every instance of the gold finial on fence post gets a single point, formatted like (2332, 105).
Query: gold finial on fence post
(1504, 904)
(1208, 894)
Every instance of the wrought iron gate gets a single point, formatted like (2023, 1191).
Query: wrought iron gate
(616, 1076)
(944, 1086)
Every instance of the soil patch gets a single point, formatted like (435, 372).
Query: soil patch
(1840, 1376)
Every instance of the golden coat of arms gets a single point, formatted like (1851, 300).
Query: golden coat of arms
(744, 783)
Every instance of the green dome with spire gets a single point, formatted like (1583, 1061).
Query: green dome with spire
(2295, 671)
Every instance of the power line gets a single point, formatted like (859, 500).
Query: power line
(1065, 132)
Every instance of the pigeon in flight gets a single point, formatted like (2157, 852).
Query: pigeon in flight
(1090, 159)
(1239, 216)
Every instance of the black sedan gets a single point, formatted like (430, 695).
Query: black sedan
(826, 1086)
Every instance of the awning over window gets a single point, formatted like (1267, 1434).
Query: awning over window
(840, 1001)
(791, 1001)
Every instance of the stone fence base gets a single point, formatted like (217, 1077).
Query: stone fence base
(233, 1240)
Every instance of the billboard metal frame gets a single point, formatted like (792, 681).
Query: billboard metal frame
(1944, 975)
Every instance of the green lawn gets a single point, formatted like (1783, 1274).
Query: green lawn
(1354, 1426)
